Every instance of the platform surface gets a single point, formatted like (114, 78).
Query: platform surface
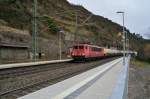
(14, 65)
(97, 83)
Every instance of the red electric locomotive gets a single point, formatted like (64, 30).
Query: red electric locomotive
(86, 51)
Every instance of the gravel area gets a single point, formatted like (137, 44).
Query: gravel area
(139, 82)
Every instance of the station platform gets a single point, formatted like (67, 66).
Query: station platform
(15, 65)
(97, 83)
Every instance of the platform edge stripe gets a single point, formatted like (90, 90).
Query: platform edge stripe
(6, 66)
(82, 83)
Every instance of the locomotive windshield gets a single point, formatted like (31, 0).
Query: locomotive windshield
(96, 49)
(78, 47)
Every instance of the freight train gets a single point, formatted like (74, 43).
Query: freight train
(87, 51)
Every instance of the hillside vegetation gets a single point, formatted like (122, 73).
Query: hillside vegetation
(55, 15)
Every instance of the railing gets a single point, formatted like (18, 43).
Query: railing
(121, 88)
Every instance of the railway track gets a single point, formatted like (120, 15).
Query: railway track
(9, 73)
(21, 81)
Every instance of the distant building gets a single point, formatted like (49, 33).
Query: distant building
(14, 44)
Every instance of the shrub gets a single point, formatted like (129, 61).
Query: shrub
(52, 26)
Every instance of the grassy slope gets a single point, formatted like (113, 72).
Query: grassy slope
(139, 63)
(102, 31)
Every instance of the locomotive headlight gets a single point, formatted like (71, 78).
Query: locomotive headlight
(83, 54)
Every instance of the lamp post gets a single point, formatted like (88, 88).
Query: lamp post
(124, 41)
(34, 33)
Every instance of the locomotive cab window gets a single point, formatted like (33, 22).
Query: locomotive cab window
(100, 49)
(75, 47)
(96, 49)
(81, 47)
(78, 47)
(86, 47)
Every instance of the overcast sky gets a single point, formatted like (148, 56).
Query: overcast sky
(137, 12)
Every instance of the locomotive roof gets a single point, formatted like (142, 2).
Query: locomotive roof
(93, 46)
(88, 45)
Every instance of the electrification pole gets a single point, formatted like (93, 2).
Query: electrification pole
(126, 42)
(34, 31)
(60, 45)
(128, 46)
(76, 27)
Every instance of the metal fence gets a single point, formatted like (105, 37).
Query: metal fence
(121, 88)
